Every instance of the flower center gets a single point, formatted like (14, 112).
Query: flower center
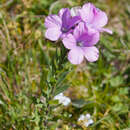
(64, 30)
(80, 44)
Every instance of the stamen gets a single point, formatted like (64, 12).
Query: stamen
(80, 44)
(64, 30)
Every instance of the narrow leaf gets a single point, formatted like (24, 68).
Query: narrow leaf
(62, 77)
(61, 89)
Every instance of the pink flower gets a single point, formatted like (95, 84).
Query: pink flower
(81, 44)
(60, 25)
(94, 17)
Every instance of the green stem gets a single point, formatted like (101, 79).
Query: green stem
(52, 85)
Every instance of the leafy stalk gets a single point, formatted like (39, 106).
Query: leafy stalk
(54, 82)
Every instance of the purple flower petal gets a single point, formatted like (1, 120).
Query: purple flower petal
(69, 41)
(105, 30)
(93, 37)
(61, 12)
(87, 36)
(73, 21)
(86, 12)
(65, 18)
(53, 34)
(93, 17)
(68, 21)
(100, 18)
(53, 21)
(79, 30)
(91, 53)
(75, 56)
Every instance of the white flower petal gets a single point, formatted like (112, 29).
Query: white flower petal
(88, 116)
(75, 11)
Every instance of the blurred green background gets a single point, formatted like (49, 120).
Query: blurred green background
(101, 89)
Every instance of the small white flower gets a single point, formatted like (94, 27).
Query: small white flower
(86, 120)
(88, 116)
(62, 99)
(90, 121)
(82, 117)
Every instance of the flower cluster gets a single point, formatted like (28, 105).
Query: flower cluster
(62, 99)
(79, 29)
(85, 120)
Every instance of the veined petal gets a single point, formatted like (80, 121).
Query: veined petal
(69, 41)
(65, 18)
(100, 18)
(61, 12)
(53, 34)
(73, 21)
(91, 53)
(75, 56)
(79, 30)
(86, 12)
(91, 38)
(105, 30)
(53, 21)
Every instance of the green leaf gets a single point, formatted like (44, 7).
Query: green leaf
(116, 98)
(117, 107)
(4, 87)
(39, 105)
(53, 102)
(116, 81)
(45, 56)
(61, 89)
(124, 91)
(62, 77)
(79, 103)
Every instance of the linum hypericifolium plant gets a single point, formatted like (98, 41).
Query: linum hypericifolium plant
(79, 30)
